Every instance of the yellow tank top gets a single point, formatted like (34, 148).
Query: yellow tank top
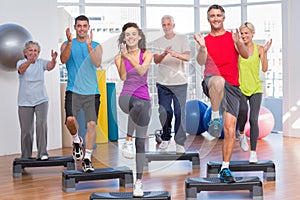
(250, 82)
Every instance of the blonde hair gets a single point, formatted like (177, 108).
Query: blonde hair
(248, 25)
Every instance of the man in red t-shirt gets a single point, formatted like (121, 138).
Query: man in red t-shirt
(219, 52)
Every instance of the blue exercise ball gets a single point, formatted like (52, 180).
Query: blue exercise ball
(12, 40)
(195, 110)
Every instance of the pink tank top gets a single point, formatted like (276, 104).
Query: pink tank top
(135, 84)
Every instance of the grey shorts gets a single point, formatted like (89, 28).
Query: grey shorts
(88, 103)
(231, 100)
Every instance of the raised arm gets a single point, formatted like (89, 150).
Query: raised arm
(65, 49)
(51, 64)
(263, 51)
(202, 51)
(239, 44)
(95, 54)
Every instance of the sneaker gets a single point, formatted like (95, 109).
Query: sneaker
(215, 127)
(226, 176)
(180, 149)
(164, 145)
(87, 165)
(243, 142)
(77, 150)
(44, 157)
(253, 157)
(138, 189)
(158, 136)
(127, 149)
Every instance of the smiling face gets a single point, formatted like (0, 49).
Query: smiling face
(32, 51)
(216, 19)
(246, 35)
(131, 37)
(82, 27)
(167, 26)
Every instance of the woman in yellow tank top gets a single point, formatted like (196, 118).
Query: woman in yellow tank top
(251, 87)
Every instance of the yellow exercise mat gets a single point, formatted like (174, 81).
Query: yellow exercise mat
(102, 125)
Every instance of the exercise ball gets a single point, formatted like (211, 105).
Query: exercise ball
(12, 40)
(195, 110)
(266, 123)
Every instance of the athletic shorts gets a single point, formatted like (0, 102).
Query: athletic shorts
(231, 100)
(88, 103)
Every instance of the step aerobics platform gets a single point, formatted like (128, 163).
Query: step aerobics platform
(196, 185)
(267, 166)
(155, 195)
(192, 156)
(20, 163)
(71, 177)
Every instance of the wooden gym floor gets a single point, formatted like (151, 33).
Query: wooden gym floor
(46, 182)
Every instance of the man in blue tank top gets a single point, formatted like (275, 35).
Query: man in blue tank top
(82, 57)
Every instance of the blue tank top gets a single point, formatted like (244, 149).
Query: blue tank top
(82, 78)
(135, 84)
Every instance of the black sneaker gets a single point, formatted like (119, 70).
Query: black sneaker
(226, 176)
(87, 165)
(77, 150)
(158, 134)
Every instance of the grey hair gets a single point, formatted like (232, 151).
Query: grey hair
(30, 43)
(167, 17)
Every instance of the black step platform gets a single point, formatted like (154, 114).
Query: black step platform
(196, 185)
(155, 195)
(192, 156)
(71, 177)
(267, 166)
(20, 163)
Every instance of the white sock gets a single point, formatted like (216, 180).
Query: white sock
(215, 115)
(88, 154)
(76, 138)
(225, 165)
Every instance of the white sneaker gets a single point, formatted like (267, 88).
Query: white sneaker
(253, 157)
(127, 149)
(243, 142)
(180, 148)
(138, 189)
(44, 157)
(164, 145)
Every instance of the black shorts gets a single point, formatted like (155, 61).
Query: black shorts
(88, 103)
(231, 100)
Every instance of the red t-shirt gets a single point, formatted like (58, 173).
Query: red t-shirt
(222, 58)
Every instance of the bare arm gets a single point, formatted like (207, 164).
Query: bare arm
(239, 44)
(65, 49)
(95, 54)
(141, 69)
(159, 57)
(263, 51)
(202, 51)
(51, 64)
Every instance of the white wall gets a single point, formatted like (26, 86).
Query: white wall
(40, 19)
(291, 69)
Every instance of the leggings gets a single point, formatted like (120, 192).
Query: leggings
(254, 103)
(139, 112)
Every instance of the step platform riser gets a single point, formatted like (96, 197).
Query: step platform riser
(149, 195)
(267, 166)
(196, 185)
(20, 163)
(192, 156)
(71, 177)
